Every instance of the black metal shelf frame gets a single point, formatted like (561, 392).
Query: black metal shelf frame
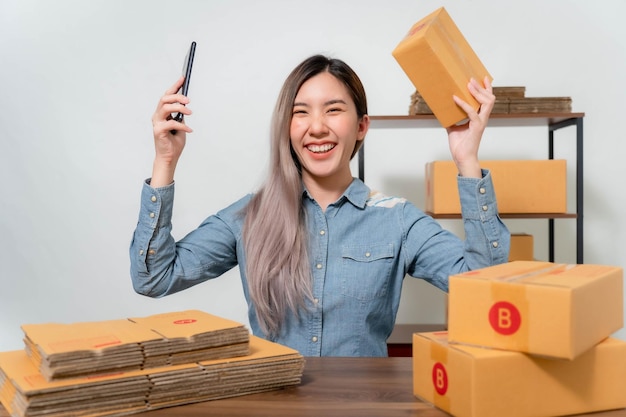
(554, 124)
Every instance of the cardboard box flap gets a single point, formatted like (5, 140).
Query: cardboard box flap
(185, 324)
(543, 273)
(55, 338)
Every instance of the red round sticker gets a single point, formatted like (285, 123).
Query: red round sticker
(505, 318)
(440, 378)
(185, 321)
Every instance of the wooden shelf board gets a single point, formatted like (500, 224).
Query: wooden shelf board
(499, 119)
(513, 215)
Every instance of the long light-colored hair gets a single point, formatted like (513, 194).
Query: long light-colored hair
(275, 231)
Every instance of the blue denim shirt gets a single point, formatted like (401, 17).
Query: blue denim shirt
(361, 248)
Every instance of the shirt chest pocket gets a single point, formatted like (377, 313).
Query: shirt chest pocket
(366, 270)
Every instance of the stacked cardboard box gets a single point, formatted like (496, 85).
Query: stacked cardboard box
(527, 338)
(211, 358)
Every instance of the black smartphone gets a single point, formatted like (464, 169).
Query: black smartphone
(188, 64)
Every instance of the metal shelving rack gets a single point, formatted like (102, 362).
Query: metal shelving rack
(554, 122)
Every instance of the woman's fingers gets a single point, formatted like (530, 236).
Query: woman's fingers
(169, 104)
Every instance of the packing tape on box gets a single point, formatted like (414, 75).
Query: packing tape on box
(457, 50)
(439, 357)
(509, 312)
(529, 275)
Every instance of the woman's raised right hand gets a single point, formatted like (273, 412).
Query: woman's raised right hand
(169, 134)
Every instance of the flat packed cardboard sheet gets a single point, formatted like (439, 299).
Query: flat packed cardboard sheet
(24, 391)
(85, 348)
(543, 308)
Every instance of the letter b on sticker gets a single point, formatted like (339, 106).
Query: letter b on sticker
(440, 378)
(505, 318)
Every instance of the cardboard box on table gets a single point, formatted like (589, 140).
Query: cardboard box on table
(468, 381)
(440, 62)
(542, 308)
(521, 186)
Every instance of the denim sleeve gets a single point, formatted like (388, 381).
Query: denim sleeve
(487, 239)
(159, 265)
(434, 253)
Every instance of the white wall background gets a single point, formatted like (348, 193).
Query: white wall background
(80, 81)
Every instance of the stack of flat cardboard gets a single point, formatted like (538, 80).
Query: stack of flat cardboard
(87, 348)
(509, 100)
(120, 367)
(25, 392)
(540, 105)
(527, 338)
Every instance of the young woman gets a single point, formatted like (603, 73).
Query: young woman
(322, 257)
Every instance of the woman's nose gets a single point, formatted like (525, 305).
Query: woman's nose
(318, 126)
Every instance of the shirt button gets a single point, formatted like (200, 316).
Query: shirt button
(482, 190)
(316, 300)
(151, 252)
(152, 215)
(367, 254)
(322, 232)
(485, 208)
(495, 244)
(141, 251)
(318, 266)
(314, 339)
(153, 198)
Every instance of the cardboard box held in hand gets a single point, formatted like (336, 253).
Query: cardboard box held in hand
(440, 62)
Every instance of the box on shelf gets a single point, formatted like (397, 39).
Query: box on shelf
(521, 247)
(440, 62)
(542, 308)
(469, 381)
(522, 186)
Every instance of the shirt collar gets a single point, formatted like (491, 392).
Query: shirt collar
(357, 193)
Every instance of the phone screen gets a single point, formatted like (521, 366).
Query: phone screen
(188, 64)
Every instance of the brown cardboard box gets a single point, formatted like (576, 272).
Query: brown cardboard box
(543, 308)
(470, 381)
(440, 62)
(522, 186)
(521, 247)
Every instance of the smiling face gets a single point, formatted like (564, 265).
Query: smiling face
(324, 131)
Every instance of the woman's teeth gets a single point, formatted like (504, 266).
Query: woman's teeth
(320, 148)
